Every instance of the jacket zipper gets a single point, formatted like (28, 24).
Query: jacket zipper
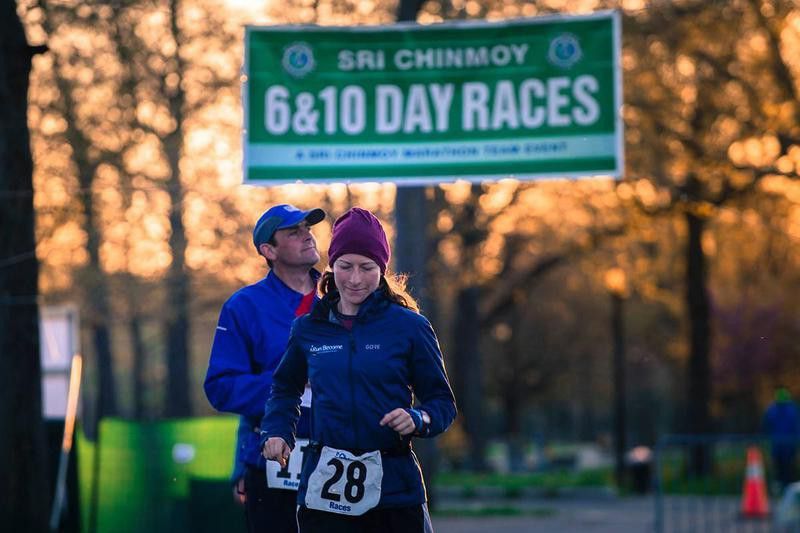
(352, 387)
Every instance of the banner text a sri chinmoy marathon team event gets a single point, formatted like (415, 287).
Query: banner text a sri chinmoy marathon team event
(529, 99)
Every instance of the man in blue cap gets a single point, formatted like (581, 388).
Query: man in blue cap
(249, 341)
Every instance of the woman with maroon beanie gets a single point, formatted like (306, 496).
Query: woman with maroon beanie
(378, 380)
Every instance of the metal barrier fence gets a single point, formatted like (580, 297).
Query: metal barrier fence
(688, 502)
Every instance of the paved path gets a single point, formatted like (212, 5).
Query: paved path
(584, 515)
(603, 514)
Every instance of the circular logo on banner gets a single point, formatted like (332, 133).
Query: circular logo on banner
(298, 59)
(565, 50)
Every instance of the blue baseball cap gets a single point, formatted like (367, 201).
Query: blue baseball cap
(281, 217)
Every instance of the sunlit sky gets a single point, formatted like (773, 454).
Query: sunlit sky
(251, 9)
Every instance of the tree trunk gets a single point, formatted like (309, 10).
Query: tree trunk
(411, 250)
(512, 407)
(407, 10)
(139, 366)
(177, 319)
(96, 306)
(618, 365)
(411, 257)
(467, 331)
(587, 426)
(24, 496)
(468, 375)
(177, 324)
(511, 390)
(699, 379)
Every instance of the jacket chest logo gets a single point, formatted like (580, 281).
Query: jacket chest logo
(325, 348)
(372, 346)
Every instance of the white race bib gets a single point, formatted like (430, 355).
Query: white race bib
(289, 477)
(344, 483)
(305, 399)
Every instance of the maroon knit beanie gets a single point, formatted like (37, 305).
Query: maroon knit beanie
(359, 232)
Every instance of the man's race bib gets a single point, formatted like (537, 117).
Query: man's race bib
(305, 399)
(289, 477)
(344, 483)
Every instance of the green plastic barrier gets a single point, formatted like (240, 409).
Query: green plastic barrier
(159, 476)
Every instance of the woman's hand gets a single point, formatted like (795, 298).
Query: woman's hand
(399, 420)
(276, 449)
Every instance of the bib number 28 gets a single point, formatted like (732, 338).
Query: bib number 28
(353, 487)
(344, 483)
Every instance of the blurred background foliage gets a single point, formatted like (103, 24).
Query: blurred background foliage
(135, 116)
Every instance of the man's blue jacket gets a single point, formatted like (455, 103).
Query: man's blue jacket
(250, 339)
(356, 377)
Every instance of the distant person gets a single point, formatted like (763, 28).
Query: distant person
(782, 424)
(367, 353)
(249, 341)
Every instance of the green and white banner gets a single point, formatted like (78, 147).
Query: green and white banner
(529, 98)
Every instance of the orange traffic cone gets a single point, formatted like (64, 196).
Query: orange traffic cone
(754, 492)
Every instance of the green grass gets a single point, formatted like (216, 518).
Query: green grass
(725, 478)
(513, 484)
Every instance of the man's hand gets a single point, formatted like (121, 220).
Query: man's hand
(276, 449)
(399, 420)
(239, 494)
